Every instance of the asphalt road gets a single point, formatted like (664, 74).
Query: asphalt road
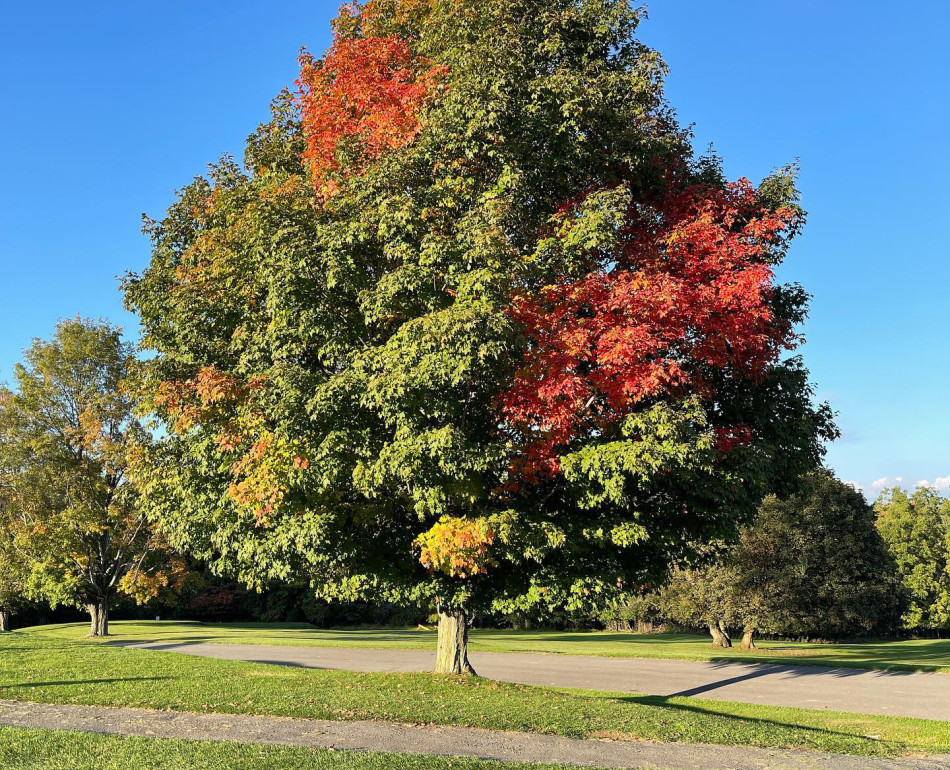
(838, 689)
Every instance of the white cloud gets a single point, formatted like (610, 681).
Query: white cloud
(941, 483)
(887, 482)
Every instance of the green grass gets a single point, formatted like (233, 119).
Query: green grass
(27, 749)
(914, 654)
(38, 667)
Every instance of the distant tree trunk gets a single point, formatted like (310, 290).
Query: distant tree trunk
(725, 632)
(4, 620)
(520, 623)
(452, 649)
(618, 626)
(748, 640)
(720, 634)
(98, 617)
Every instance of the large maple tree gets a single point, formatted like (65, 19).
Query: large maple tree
(472, 325)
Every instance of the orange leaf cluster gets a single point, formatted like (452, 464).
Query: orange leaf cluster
(457, 547)
(263, 460)
(143, 586)
(256, 479)
(193, 401)
(366, 94)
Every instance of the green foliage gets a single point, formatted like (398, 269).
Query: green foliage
(13, 574)
(639, 612)
(821, 563)
(916, 529)
(714, 596)
(69, 519)
(810, 565)
(327, 368)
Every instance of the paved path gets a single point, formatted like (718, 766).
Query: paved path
(839, 689)
(440, 741)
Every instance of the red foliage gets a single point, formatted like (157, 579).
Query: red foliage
(366, 91)
(689, 291)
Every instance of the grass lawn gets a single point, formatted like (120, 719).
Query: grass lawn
(915, 654)
(38, 667)
(58, 749)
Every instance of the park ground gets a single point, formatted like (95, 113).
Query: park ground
(56, 665)
(904, 655)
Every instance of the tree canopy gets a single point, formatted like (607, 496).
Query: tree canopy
(12, 582)
(916, 528)
(809, 565)
(472, 325)
(821, 564)
(69, 519)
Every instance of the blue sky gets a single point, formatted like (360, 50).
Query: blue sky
(110, 106)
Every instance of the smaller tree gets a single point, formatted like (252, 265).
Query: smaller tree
(642, 613)
(821, 564)
(916, 529)
(811, 564)
(718, 596)
(67, 438)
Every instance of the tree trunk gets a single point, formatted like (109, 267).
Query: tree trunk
(104, 618)
(98, 617)
(452, 651)
(748, 641)
(4, 620)
(618, 626)
(93, 610)
(719, 635)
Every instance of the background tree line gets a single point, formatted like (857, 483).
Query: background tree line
(820, 564)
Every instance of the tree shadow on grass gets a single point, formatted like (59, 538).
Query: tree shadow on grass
(657, 701)
(856, 665)
(323, 639)
(171, 644)
(290, 664)
(4, 687)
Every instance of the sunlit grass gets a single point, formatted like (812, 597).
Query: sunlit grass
(914, 654)
(40, 667)
(22, 748)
